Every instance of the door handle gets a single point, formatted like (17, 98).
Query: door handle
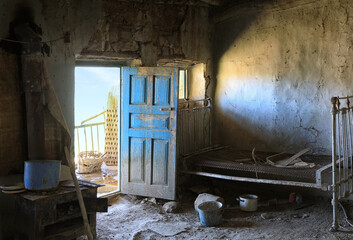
(167, 109)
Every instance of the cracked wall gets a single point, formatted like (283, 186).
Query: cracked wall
(277, 66)
(57, 17)
(154, 33)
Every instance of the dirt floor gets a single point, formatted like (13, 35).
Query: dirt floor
(137, 218)
(110, 182)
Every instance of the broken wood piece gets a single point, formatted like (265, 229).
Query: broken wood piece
(295, 156)
(79, 195)
(283, 159)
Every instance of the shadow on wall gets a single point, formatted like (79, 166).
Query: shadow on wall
(224, 37)
(275, 76)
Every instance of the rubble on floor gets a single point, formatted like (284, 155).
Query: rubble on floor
(137, 218)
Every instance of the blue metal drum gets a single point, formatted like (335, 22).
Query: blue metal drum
(42, 174)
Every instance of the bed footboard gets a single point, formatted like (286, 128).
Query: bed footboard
(342, 151)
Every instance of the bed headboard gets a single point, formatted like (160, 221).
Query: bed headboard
(194, 131)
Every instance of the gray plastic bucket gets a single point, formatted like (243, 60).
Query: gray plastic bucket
(210, 213)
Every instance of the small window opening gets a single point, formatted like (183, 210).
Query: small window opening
(182, 84)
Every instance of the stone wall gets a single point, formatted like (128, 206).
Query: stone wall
(277, 65)
(56, 18)
(151, 33)
(154, 34)
(11, 117)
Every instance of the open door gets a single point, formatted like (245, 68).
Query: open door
(148, 131)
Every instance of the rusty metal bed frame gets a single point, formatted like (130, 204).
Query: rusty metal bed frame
(218, 162)
(342, 153)
(221, 163)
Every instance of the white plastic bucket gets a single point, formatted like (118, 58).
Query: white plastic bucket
(248, 202)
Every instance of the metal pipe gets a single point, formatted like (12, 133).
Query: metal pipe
(334, 202)
(92, 142)
(95, 116)
(194, 108)
(343, 176)
(350, 150)
(84, 130)
(90, 125)
(345, 97)
(255, 180)
(98, 138)
(78, 140)
(338, 177)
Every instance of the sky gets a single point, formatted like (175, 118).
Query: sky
(92, 85)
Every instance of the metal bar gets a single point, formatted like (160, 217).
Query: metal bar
(209, 149)
(204, 128)
(255, 180)
(198, 134)
(194, 137)
(92, 142)
(338, 177)
(90, 125)
(189, 132)
(194, 108)
(98, 138)
(344, 152)
(334, 173)
(84, 130)
(95, 116)
(198, 100)
(182, 133)
(78, 140)
(343, 109)
(318, 176)
(346, 161)
(345, 97)
(210, 127)
(350, 150)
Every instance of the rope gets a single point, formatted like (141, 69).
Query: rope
(22, 42)
(345, 214)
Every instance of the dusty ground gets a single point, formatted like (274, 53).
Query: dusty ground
(137, 218)
(110, 182)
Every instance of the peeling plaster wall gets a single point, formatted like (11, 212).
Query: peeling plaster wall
(79, 18)
(151, 33)
(165, 33)
(278, 63)
(196, 82)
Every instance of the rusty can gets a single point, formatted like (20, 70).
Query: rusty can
(292, 197)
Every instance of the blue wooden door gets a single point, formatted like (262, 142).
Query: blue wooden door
(148, 131)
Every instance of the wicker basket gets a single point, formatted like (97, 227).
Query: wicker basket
(89, 162)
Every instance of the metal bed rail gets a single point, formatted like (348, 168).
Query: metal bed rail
(342, 153)
(194, 126)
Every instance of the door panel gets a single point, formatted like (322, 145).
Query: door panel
(137, 167)
(160, 162)
(148, 131)
(138, 90)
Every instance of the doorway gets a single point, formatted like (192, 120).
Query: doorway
(97, 94)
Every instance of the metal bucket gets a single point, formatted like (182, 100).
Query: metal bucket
(210, 213)
(248, 202)
(42, 174)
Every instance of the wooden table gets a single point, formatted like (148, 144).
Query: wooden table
(56, 214)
